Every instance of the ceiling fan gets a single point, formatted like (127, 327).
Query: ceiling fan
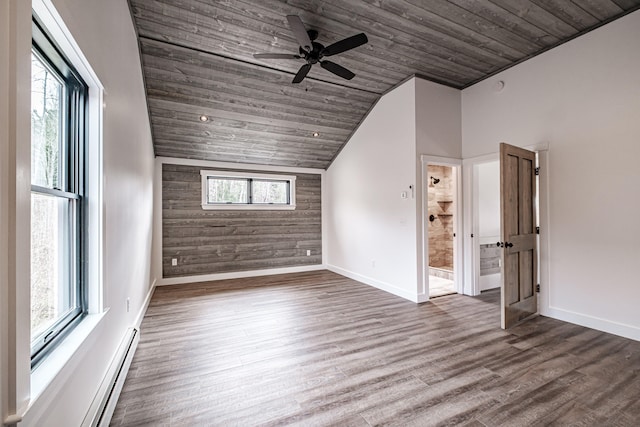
(313, 52)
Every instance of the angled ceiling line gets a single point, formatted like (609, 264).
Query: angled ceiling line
(548, 48)
(189, 45)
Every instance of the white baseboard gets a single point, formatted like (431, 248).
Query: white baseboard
(387, 287)
(490, 281)
(145, 304)
(237, 275)
(604, 325)
(420, 298)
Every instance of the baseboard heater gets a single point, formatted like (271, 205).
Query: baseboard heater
(103, 405)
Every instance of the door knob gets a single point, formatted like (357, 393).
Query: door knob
(508, 245)
(500, 244)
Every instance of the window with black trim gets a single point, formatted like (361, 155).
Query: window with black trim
(58, 148)
(240, 190)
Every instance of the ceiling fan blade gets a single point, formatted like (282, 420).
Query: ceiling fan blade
(338, 70)
(276, 56)
(302, 73)
(346, 44)
(298, 29)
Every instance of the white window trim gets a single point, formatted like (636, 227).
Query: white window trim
(247, 175)
(52, 21)
(57, 366)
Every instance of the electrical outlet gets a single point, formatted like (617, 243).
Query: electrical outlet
(128, 304)
(373, 263)
(308, 252)
(174, 262)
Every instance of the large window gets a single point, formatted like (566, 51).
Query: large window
(240, 190)
(58, 104)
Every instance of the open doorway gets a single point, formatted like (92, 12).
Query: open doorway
(483, 269)
(485, 242)
(440, 224)
(488, 269)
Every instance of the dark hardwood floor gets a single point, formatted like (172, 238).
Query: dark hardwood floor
(320, 349)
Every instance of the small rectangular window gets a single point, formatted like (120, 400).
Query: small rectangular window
(227, 190)
(240, 190)
(269, 192)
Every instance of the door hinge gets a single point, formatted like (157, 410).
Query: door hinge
(537, 171)
(538, 288)
(537, 230)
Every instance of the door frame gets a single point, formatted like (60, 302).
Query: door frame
(471, 222)
(458, 258)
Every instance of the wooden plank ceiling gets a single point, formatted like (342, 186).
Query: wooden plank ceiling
(198, 60)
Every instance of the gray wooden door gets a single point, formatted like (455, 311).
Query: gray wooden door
(518, 223)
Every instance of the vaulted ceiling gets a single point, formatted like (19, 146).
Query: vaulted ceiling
(198, 64)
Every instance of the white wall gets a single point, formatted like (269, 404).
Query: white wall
(438, 120)
(367, 222)
(105, 34)
(438, 135)
(583, 98)
(488, 176)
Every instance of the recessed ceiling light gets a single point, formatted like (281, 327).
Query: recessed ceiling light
(316, 134)
(204, 118)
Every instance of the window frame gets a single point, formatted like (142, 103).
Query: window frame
(72, 187)
(290, 181)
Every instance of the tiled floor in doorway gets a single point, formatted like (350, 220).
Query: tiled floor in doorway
(439, 287)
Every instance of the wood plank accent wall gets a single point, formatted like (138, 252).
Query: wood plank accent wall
(212, 241)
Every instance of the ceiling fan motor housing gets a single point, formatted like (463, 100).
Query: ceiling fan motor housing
(313, 56)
